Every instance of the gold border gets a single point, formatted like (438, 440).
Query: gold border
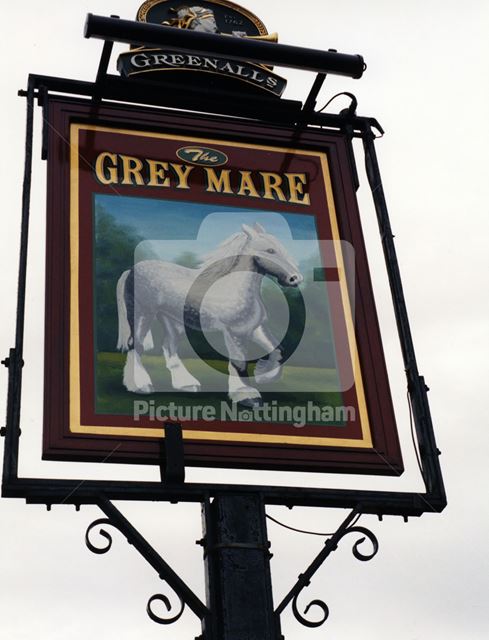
(74, 367)
(149, 4)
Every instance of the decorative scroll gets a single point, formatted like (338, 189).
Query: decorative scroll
(158, 619)
(309, 623)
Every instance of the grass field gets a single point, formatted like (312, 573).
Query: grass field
(113, 398)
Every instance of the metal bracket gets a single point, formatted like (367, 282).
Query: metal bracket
(102, 69)
(348, 526)
(55, 491)
(172, 461)
(163, 569)
(310, 102)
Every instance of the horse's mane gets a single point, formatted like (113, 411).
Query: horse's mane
(225, 257)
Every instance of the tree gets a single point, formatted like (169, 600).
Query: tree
(114, 249)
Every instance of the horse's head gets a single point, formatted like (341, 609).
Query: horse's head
(194, 18)
(271, 257)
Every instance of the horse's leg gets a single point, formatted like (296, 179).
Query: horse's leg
(181, 378)
(238, 390)
(136, 378)
(270, 369)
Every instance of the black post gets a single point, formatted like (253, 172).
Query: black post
(237, 559)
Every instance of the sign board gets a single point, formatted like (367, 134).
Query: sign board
(207, 71)
(209, 272)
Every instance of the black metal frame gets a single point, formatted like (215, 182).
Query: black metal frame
(173, 488)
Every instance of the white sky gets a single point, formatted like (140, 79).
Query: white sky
(426, 82)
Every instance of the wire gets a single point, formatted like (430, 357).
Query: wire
(412, 434)
(353, 106)
(311, 533)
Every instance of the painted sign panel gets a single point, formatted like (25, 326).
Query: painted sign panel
(207, 71)
(206, 272)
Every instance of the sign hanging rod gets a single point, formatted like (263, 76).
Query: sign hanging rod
(233, 48)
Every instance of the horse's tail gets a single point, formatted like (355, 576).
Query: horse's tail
(125, 332)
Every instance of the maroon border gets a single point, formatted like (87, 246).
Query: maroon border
(60, 443)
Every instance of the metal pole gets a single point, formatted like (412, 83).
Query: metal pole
(428, 450)
(237, 559)
(14, 362)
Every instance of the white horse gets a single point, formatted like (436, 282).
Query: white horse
(223, 294)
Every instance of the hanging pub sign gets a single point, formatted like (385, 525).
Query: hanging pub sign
(212, 273)
(215, 17)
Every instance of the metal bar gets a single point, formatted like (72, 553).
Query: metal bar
(75, 492)
(310, 102)
(104, 59)
(154, 35)
(42, 101)
(429, 452)
(104, 63)
(172, 454)
(153, 558)
(222, 102)
(171, 95)
(24, 235)
(14, 361)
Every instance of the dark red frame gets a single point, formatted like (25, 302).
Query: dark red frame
(60, 443)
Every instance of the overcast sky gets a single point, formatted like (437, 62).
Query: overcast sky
(426, 82)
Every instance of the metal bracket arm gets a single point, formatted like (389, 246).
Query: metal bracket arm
(165, 572)
(172, 465)
(329, 546)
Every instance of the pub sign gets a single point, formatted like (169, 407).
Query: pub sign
(210, 272)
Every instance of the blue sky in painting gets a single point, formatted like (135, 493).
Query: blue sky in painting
(173, 227)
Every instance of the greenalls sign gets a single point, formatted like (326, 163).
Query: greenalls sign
(218, 17)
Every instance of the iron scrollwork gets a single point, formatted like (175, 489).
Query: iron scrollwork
(314, 603)
(305, 579)
(93, 548)
(104, 549)
(134, 538)
(158, 619)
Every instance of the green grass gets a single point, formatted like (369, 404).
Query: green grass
(112, 397)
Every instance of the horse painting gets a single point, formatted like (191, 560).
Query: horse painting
(223, 294)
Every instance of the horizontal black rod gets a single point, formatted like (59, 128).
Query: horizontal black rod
(54, 491)
(225, 103)
(154, 35)
(169, 94)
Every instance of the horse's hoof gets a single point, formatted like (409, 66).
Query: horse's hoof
(148, 388)
(191, 388)
(265, 372)
(246, 397)
(250, 403)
